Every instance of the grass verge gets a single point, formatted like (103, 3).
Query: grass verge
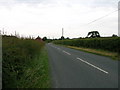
(24, 64)
(37, 75)
(113, 55)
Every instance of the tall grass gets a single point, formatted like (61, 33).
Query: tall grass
(23, 65)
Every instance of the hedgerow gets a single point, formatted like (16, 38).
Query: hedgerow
(109, 43)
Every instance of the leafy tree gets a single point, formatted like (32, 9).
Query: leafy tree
(44, 38)
(62, 38)
(67, 38)
(114, 35)
(93, 34)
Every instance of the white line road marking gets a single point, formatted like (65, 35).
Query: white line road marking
(58, 48)
(93, 65)
(66, 52)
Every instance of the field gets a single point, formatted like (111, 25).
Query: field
(24, 64)
(109, 44)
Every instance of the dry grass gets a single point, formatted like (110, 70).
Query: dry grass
(113, 55)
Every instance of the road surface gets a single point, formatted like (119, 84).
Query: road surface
(77, 69)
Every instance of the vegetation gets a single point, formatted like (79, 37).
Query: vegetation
(25, 63)
(44, 38)
(93, 34)
(113, 55)
(111, 44)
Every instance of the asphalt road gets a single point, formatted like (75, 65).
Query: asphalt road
(77, 69)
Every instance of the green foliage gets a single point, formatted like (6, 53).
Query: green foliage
(44, 38)
(109, 43)
(22, 64)
(93, 34)
(62, 38)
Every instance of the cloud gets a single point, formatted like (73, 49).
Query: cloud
(30, 1)
(11, 2)
(47, 17)
(67, 2)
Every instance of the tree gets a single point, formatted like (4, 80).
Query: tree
(114, 35)
(44, 38)
(67, 38)
(93, 34)
(62, 38)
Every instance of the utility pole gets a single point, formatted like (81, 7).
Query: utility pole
(62, 32)
(3, 31)
(62, 37)
(15, 33)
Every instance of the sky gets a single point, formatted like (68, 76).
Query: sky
(48, 17)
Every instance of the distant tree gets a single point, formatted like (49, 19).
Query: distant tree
(67, 38)
(93, 34)
(55, 39)
(44, 38)
(59, 39)
(80, 37)
(62, 38)
(114, 35)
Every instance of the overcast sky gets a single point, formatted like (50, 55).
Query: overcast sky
(48, 17)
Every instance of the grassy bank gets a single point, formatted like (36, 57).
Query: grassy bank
(37, 73)
(25, 63)
(112, 55)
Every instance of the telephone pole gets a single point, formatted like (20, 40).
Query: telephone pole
(62, 32)
(3, 31)
(62, 37)
(15, 33)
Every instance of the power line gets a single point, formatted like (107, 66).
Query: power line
(103, 16)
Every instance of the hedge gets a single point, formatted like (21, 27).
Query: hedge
(108, 43)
